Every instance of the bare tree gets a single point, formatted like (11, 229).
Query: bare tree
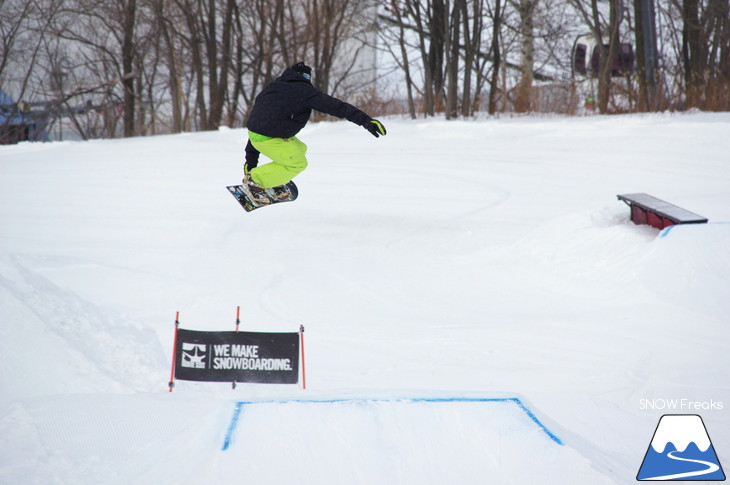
(261, 33)
(526, 9)
(218, 64)
(473, 23)
(718, 57)
(429, 20)
(129, 52)
(608, 56)
(705, 53)
(164, 16)
(692, 53)
(13, 24)
(642, 23)
(452, 50)
(455, 73)
(496, 56)
(406, 65)
(327, 23)
(106, 50)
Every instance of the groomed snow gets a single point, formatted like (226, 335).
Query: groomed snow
(479, 259)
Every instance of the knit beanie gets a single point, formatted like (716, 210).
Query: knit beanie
(303, 69)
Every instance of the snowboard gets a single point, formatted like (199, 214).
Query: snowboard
(275, 195)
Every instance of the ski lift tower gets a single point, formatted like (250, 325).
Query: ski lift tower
(648, 25)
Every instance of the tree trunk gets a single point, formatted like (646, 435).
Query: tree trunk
(642, 104)
(691, 53)
(452, 65)
(192, 9)
(218, 67)
(470, 33)
(128, 47)
(496, 56)
(723, 69)
(174, 75)
(523, 101)
(438, 27)
(604, 81)
(406, 64)
(414, 11)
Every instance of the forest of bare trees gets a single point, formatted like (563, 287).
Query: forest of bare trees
(141, 67)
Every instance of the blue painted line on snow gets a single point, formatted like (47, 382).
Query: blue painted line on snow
(239, 407)
(665, 231)
(232, 425)
(537, 421)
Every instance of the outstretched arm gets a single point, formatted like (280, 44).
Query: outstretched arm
(336, 107)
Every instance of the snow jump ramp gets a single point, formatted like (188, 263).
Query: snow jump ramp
(441, 440)
(165, 439)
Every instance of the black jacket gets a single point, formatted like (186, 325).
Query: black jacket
(283, 107)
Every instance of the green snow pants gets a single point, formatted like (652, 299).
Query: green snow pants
(287, 160)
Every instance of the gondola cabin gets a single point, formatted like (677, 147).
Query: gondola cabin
(587, 57)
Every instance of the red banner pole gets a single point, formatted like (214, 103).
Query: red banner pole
(174, 351)
(304, 372)
(238, 322)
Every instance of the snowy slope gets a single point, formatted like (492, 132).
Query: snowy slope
(487, 259)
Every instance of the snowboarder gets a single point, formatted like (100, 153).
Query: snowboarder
(279, 112)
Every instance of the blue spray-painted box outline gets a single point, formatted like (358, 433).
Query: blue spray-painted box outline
(239, 408)
(665, 231)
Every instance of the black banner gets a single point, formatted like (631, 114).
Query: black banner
(237, 356)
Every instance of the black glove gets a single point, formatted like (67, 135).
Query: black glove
(375, 127)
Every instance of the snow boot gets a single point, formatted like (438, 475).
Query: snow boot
(254, 190)
(280, 192)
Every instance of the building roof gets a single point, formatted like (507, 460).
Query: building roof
(10, 113)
